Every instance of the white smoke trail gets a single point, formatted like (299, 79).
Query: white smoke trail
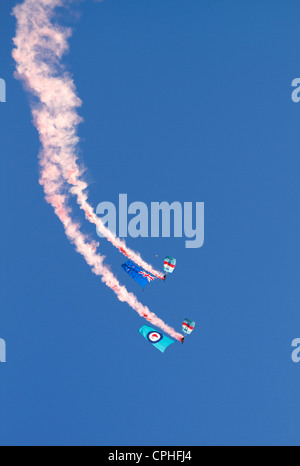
(73, 177)
(39, 47)
(54, 40)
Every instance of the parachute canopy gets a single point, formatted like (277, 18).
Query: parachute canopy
(188, 326)
(140, 275)
(169, 264)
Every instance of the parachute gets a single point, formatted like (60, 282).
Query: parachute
(169, 264)
(140, 275)
(188, 326)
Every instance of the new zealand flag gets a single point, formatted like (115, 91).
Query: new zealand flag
(142, 277)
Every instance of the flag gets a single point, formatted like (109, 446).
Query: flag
(157, 339)
(138, 274)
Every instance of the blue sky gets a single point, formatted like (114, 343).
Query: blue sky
(199, 92)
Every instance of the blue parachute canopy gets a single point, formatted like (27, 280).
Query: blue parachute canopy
(140, 275)
(169, 264)
(160, 341)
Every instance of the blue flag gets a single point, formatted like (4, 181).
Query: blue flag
(160, 341)
(138, 274)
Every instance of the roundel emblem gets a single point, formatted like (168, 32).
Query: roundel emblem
(154, 337)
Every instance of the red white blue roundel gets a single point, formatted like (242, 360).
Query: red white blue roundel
(154, 337)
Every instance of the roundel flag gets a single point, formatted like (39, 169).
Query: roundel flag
(160, 341)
